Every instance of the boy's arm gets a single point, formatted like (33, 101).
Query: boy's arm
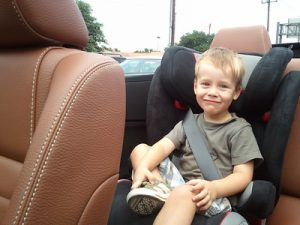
(235, 182)
(207, 191)
(158, 152)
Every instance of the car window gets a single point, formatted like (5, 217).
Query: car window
(140, 66)
(150, 66)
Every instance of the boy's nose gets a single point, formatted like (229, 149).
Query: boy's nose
(213, 91)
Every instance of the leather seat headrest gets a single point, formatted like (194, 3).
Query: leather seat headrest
(251, 39)
(27, 23)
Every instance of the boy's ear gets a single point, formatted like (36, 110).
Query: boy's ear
(237, 93)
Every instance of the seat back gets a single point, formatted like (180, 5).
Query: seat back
(62, 113)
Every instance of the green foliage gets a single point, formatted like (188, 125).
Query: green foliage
(197, 40)
(97, 39)
(112, 49)
(146, 50)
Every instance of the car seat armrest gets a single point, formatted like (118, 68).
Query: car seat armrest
(234, 219)
(258, 200)
(246, 195)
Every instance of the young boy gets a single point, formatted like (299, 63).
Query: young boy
(156, 181)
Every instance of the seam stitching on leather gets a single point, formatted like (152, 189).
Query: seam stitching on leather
(58, 131)
(31, 121)
(20, 17)
(28, 27)
(33, 92)
(45, 141)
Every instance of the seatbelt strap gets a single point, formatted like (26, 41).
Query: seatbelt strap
(200, 147)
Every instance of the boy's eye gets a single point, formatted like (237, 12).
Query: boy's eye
(224, 86)
(204, 84)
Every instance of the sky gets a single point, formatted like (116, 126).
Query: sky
(131, 25)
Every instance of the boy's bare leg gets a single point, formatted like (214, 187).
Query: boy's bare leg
(136, 156)
(179, 208)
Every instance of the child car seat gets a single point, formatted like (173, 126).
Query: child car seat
(261, 87)
(171, 93)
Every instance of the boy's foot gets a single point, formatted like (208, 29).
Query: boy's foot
(148, 198)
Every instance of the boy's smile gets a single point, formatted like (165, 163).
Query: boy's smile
(215, 90)
(211, 101)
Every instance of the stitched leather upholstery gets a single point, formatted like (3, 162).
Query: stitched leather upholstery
(62, 113)
(251, 39)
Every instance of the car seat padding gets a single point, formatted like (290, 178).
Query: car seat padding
(278, 129)
(178, 72)
(263, 83)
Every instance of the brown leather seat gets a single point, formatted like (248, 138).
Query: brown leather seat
(62, 113)
(251, 39)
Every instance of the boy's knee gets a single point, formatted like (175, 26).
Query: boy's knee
(142, 146)
(140, 149)
(182, 191)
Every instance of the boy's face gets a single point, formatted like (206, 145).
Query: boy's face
(215, 90)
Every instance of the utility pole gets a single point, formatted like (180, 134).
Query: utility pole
(157, 47)
(172, 23)
(268, 13)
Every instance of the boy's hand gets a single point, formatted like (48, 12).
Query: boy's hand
(141, 174)
(205, 193)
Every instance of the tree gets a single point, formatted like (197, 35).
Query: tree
(97, 39)
(197, 40)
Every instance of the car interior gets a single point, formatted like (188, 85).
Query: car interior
(62, 116)
(70, 119)
(269, 102)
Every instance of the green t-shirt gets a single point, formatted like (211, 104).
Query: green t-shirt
(232, 143)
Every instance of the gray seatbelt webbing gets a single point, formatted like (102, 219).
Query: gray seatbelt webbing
(200, 148)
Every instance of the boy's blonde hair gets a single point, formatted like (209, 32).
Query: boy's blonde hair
(223, 59)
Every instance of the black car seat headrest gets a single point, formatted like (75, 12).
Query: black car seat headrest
(261, 81)
(177, 74)
(262, 84)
